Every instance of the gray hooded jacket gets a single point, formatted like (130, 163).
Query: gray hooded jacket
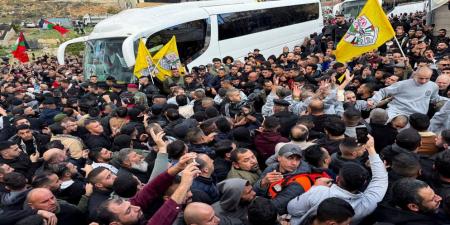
(228, 208)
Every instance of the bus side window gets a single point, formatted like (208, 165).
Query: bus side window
(192, 39)
(237, 24)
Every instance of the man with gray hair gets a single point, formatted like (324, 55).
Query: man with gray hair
(132, 162)
(409, 96)
(443, 82)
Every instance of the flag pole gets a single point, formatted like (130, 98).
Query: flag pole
(151, 77)
(399, 46)
(154, 69)
(11, 60)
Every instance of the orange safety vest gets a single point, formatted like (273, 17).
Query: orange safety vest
(306, 180)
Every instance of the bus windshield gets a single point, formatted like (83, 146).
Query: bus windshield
(103, 58)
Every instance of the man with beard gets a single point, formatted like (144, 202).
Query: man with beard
(11, 154)
(410, 96)
(119, 211)
(414, 202)
(443, 82)
(102, 179)
(442, 50)
(48, 180)
(66, 214)
(72, 183)
(132, 162)
(401, 36)
(289, 162)
(236, 195)
(28, 141)
(100, 158)
(244, 165)
(339, 69)
(442, 36)
(339, 29)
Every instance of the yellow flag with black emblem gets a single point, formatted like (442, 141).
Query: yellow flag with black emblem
(144, 62)
(368, 31)
(168, 58)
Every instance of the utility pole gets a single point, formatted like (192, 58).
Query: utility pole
(429, 13)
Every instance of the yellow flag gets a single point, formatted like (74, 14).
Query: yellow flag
(370, 30)
(167, 58)
(144, 62)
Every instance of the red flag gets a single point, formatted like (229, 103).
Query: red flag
(20, 49)
(48, 25)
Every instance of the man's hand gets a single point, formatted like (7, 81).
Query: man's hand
(324, 181)
(87, 169)
(158, 139)
(48, 216)
(296, 92)
(213, 91)
(370, 145)
(276, 82)
(370, 103)
(3, 112)
(34, 157)
(88, 189)
(189, 174)
(271, 177)
(185, 160)
(106, 98)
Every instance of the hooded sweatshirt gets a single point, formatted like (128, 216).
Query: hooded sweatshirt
(363, 203)
(228, 208)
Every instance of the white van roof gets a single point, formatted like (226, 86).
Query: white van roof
(133, 21)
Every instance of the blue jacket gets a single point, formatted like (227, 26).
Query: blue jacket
(208, 186)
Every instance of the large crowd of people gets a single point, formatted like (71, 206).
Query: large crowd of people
(294, 139)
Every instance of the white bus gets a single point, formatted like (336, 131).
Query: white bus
(204, 30)
(351, 8)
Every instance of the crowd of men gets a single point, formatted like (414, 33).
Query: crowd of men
(291, 139)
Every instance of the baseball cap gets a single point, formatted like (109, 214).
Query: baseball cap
(290, 149)
(48, 101)
(132, 86)
(281, 102)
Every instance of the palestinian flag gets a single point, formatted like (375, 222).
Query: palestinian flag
(45, 24)
(19, 49)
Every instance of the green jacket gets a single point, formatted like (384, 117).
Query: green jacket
(246, 175)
